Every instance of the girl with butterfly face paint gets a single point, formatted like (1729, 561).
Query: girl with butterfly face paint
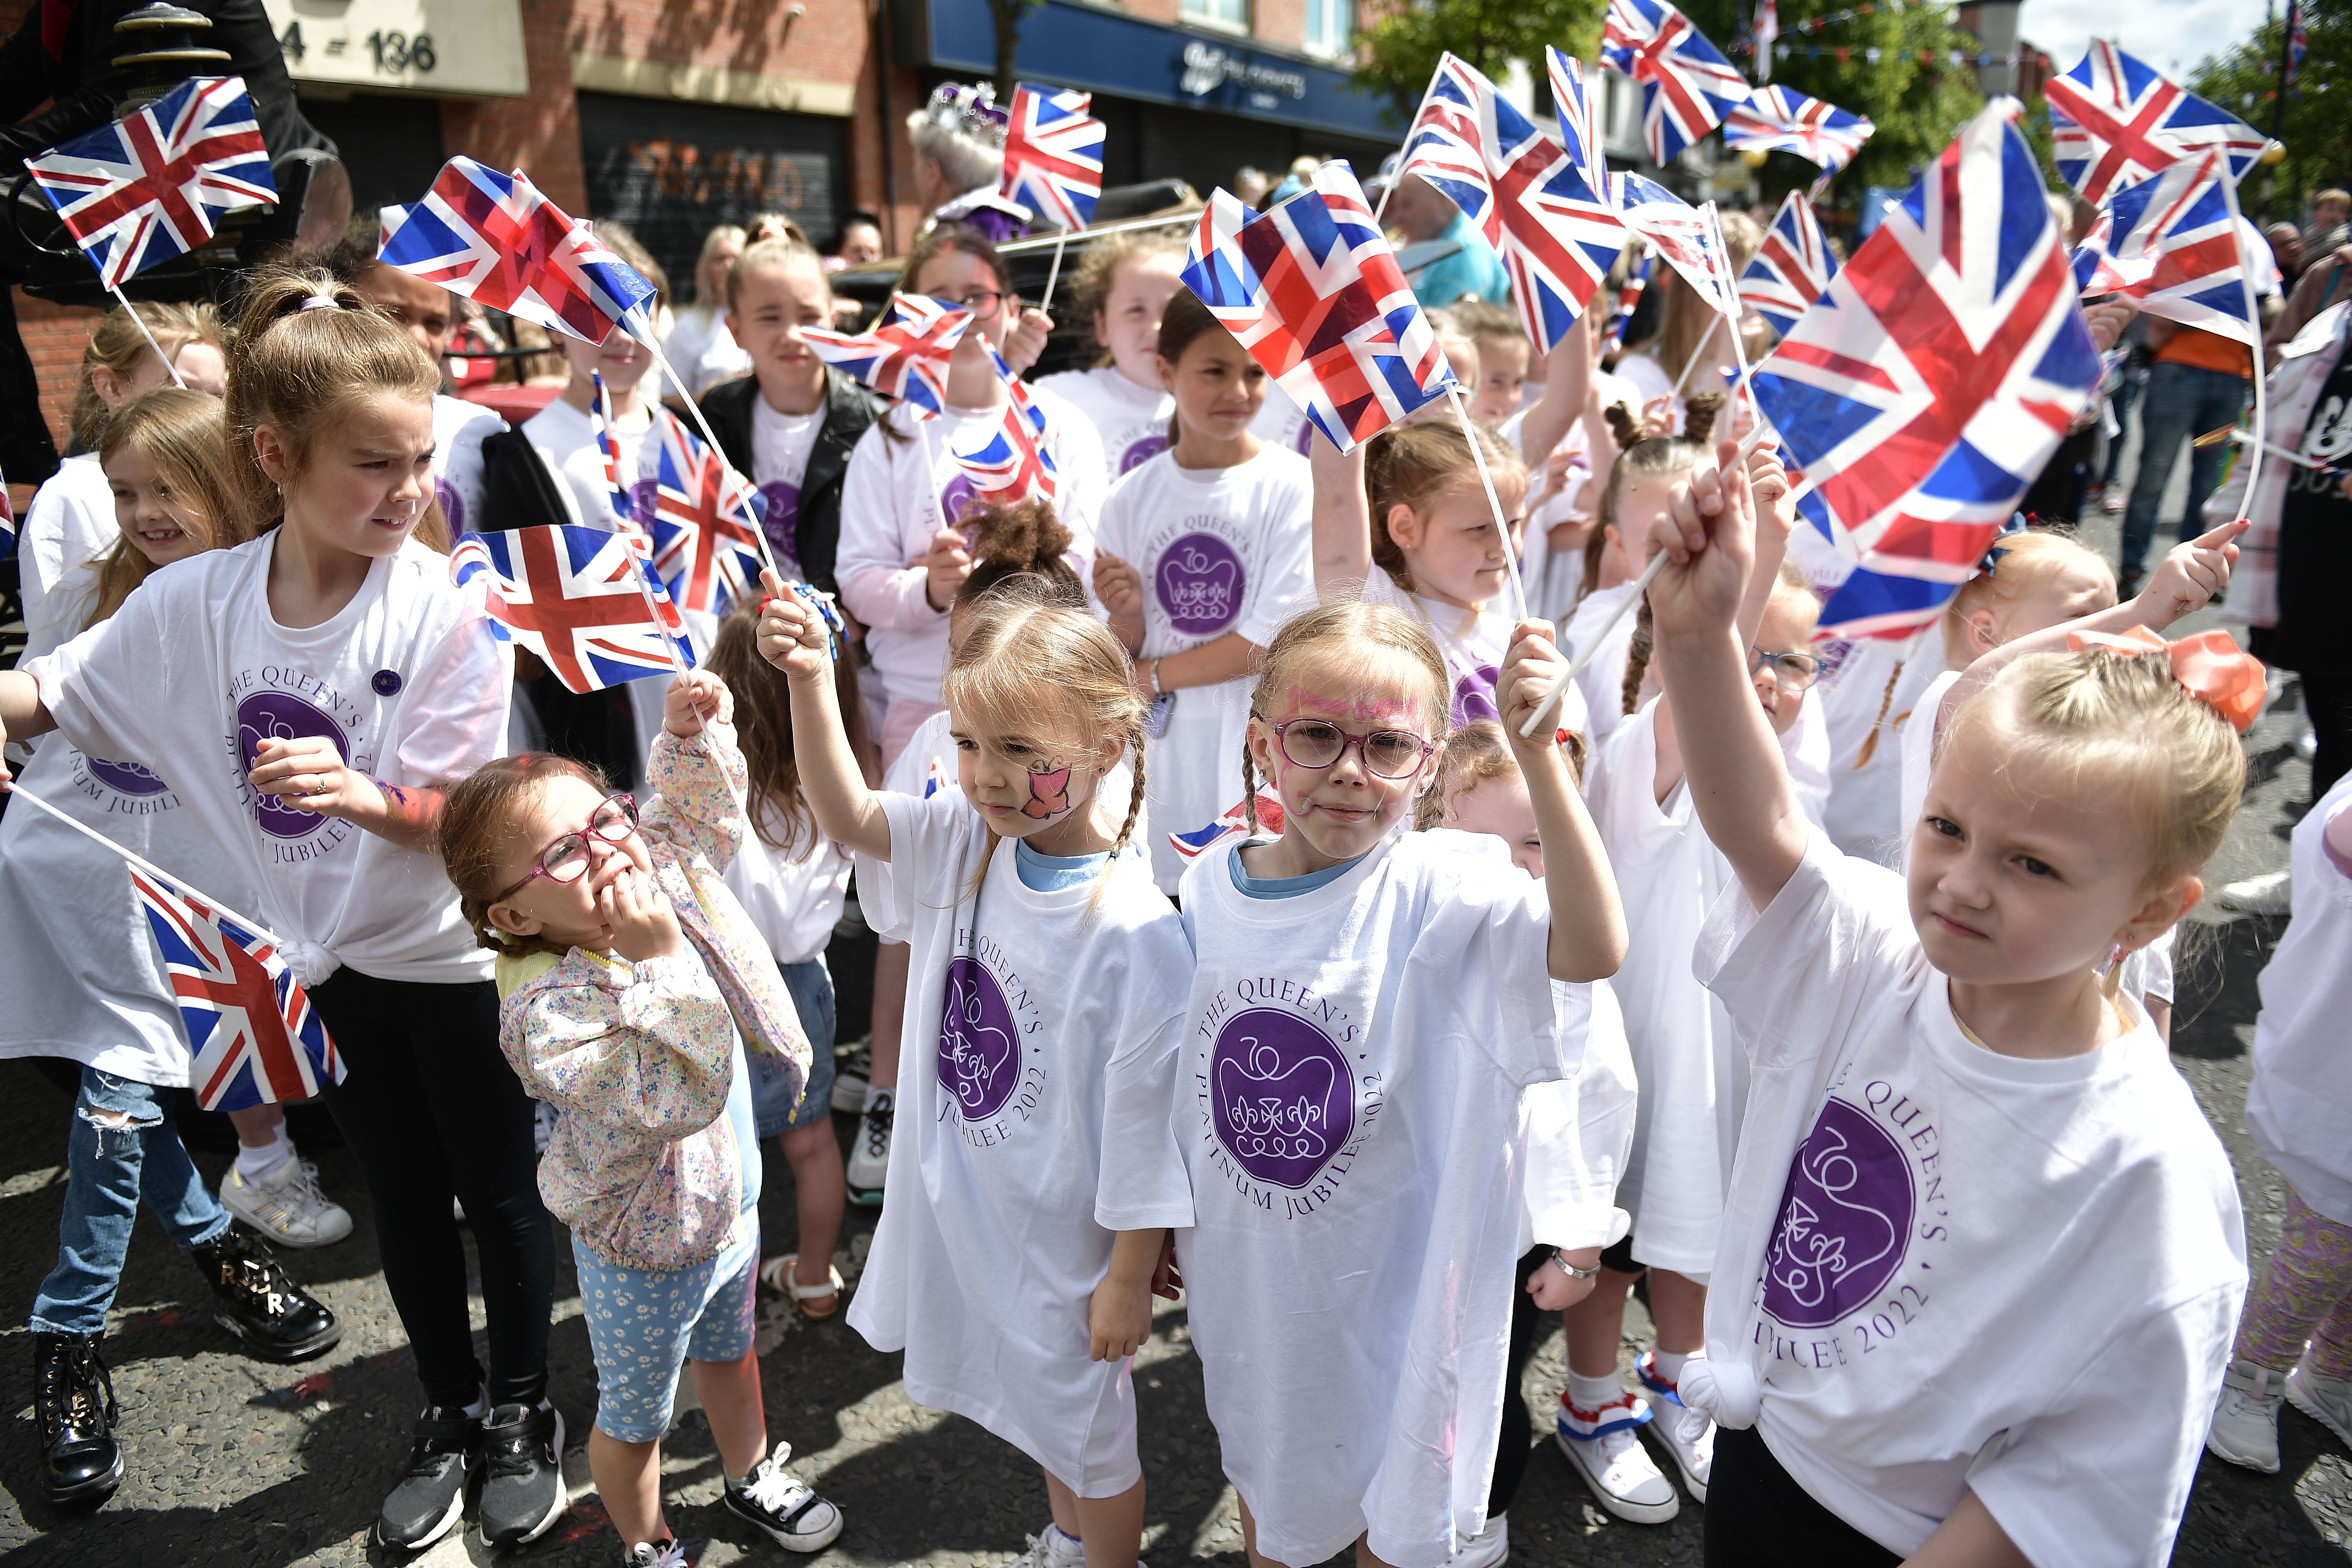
(1045, 1005)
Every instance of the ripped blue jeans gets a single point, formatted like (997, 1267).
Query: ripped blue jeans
(122, 1147)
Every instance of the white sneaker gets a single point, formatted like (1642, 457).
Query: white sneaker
(1486, 1549)
(2246, 1416)
(850, 1077)
(1694, 1459)
(286, 1205)
(2116, 498)
(869, 1153)
(1602, 1446)
(2272, 893)
(1052, 1550)
(2326, 1400)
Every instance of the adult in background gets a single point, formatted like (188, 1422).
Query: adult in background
(2330, 209)
(699, 343)
(2286, 250)
(1420, 212)
(859, 244)
(958, 142)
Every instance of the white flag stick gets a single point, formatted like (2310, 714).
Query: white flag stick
(2254, 325)
(641, 328)
(136, 320)
(1502, 524)
(1578, 659)
(931, 468)
(1047, 303)
(256, 927)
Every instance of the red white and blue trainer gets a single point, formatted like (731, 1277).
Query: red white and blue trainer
(1694, 1460)
(1605, 1448)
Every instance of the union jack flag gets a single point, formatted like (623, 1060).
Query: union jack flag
(1559, 237)
(578, 598)
(1783, 118)
(1445, 144)
(2298, 41)
(1629, 298)
(498, 240)
(1924, 391)
(617, 492)
(1052, 155)
(155, 184)
(1577, 109)
(905, 356)
(1678, 230)
(1687, 87)
(1792, 266)
(2171, 244)
(255, 1037)
(2115, 122)
(1230, 828)
(705, 550)
(1313, 291)
(1013, 463)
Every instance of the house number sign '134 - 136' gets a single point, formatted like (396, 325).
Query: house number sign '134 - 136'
(394, 51)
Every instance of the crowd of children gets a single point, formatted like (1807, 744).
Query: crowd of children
(1817, 991)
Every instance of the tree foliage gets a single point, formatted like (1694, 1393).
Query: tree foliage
(2318, 127)
(1401, 49)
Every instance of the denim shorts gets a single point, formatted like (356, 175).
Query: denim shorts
(645, 1324)
(811, 986)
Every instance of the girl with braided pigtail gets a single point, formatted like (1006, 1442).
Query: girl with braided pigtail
(1035, 1173)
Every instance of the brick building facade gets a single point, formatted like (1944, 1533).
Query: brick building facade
(678, 115)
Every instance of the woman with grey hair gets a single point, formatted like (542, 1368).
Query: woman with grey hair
(959, 141)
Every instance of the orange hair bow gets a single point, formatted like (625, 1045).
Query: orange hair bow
(2217, 672)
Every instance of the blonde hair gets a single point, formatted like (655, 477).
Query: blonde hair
(2023, 563)
(1353, 631)
(2173, 760)
(1411, 465)
(1687, 320)
(185, 440)
(772, 250)
(720, 234)
(1478, 752)
(1098, 273)
(117, 343)
(298, 368)
(1484, 322)
(1055, 674)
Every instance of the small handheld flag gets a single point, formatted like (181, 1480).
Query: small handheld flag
(1782, 119)
(256, 1036)
(1013, 464)
(2171, 244)
(705, 523)
(905, 356)
(577, 597)
(1687, 87)
(1791, 268)
(1052, 155)
(2115, 121)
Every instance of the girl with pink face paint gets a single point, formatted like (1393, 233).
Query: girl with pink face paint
(1034, 1174)
(1367, 1006)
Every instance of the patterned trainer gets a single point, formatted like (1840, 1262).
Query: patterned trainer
(286, 1205)
(1603, 1446)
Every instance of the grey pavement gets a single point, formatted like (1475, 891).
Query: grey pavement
(231, 1461)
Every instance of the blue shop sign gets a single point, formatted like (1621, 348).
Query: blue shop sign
(1105, 51)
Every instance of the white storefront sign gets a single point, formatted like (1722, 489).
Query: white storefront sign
(445, 48)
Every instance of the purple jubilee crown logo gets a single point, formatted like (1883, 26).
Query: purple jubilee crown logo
(124, 778)
(1845, 1217)
(1142, 450)
(1199, 584)
(1473, 696)
(957, 499)
(282, 716)
(980, 1053)
(1285, 1099)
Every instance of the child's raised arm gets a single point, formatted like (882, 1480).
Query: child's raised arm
(1567, 380)
(1737, 778)
(793, 639)
(1342, 515)
(1588, 922)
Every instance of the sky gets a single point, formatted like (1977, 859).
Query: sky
(2173, 36)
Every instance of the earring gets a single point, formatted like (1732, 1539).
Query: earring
(2114, 981)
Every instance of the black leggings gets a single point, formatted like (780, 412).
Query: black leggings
(1758, 1517)
(431, 1108)
(1528, 1321)
(2329, 700)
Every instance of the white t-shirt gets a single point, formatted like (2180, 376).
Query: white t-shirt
(889, 511)
(781, 445)
(1130, 421)
(2146, 972)
(407, 680)
(1219, 550)
(1349, 1103)
(702, 349)
(459, 428)
(1693, 1076)
(70, 524)
(83, 977)
(1865, 817)
(2297, 1106)
(1952, 1270)
(1642, 373)
(1579, 1131)
(1041, 1039)
(792, 896)
(1474, 643)
(1601, 678)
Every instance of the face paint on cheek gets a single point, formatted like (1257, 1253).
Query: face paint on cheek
(1049, 796)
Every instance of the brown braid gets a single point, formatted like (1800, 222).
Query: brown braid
(1637, 659)
(1870, 741)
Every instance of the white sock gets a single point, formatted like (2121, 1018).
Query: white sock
(480, 1407)
(253, 1163)
(1593, 1393)
(1668, 1364)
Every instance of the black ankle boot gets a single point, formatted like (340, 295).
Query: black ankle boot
(273, 1318)
(73, 1405)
